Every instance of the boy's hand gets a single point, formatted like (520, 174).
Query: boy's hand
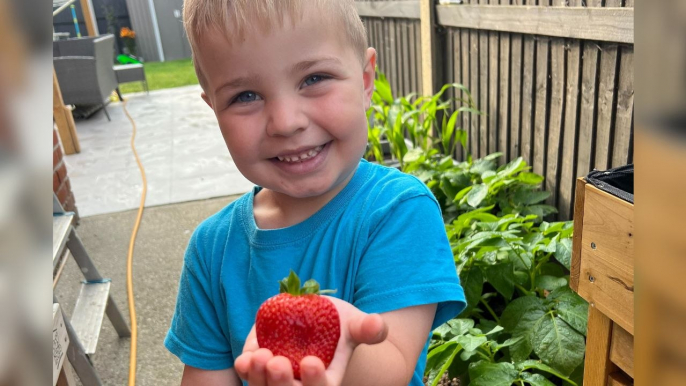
(260, 367)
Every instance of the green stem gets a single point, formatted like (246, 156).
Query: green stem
(519, 287)
(490, 310)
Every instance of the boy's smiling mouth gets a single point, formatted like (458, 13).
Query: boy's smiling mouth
(298, 156)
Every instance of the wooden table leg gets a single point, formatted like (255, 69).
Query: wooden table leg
(597, 366)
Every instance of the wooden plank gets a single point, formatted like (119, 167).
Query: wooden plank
(474, 87)
(412, 50)
(381, 9)
(607, 256)
(405, 57)
(466, 118)
(587, 116)
(493, 108)
(568, 167)
(597, 365)
(625, 108)
(527, 98)
(428, 40)
(620, 379)
(64, 120)
(516, 92)
(504, 90)
(606, 104)
(622, 349)
(604, 24)
(541, 112)
(457, 78)
(418, 56)
(575, 271)
(89, 18)
(483, 92)
(554, 146)
(391, 52)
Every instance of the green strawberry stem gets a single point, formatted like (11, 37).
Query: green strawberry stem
(291, 285)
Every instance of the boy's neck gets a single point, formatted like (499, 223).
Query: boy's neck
(274, 210)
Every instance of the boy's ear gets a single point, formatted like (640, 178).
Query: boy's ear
(368, 76)
(206, 99)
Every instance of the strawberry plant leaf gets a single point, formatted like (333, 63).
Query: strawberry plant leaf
(530, 178)
(492, 374)
(502, 278)
(471, 343)
(520, 318)
(460, 326)
(535, 379)
(571, 307)
(538, 365)
(441, 361)
(472, 282)
(477, 195)
(563, 252)
(550, 282)
(558, 344)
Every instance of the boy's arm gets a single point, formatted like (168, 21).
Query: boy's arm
(392, 362)
(193, 376)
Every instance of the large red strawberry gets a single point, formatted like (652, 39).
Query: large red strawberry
(298, 322)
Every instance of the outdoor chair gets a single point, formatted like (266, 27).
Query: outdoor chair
(84, 69)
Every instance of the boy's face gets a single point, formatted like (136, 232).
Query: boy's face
(290, 104)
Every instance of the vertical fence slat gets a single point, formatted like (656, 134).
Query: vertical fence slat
(527, 98)
(418, 56)
(554, 146)
(606, 99)
(569, 144)
(407, 66)
(587, 116)
(541, 112)
(625, 108)
(493, 73)
(504, 89)
(516, 100)
(412, 49)
(474, 86)
(457, 72)
(466, 118)
(483, 92)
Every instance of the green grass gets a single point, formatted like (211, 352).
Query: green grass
(161, 75)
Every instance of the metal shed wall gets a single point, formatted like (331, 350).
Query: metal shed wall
(143, 23)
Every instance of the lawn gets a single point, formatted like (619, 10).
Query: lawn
(161, 75)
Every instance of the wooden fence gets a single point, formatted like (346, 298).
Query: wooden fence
(553, 77)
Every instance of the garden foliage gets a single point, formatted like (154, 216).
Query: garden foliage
(523, 325)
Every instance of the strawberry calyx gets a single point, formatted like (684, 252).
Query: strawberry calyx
(291, 285)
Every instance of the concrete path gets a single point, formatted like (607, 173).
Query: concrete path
(178, 141)
(163, 236)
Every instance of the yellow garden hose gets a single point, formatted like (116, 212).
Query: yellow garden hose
(129, 259)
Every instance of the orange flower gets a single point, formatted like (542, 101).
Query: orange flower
(126, 32)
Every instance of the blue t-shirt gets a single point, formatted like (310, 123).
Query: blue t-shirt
(380, 243)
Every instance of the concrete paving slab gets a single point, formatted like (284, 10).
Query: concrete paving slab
(158, 259)
(179, 144)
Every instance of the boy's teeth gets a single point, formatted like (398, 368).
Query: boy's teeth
(304, 156)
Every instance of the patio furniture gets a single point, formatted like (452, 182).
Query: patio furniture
(131, 73)
(84, 70)
(95, 300)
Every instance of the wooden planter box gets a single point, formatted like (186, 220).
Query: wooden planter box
(603, 274)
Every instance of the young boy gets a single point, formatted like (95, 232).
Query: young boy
(289, 82)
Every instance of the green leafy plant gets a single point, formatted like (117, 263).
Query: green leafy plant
(411, 121)
(523, 325)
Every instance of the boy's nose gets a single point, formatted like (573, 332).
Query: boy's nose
(286, 117)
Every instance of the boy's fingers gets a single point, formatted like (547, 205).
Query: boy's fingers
(242, 364)
(279, 372)
(368, 329)
(258, 368)
(312, 372)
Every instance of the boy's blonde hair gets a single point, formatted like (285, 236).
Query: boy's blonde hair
(240, 16)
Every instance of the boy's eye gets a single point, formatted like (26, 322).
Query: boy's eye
(312, 79)
(246, 96)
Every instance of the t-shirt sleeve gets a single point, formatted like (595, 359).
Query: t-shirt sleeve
(196, 335)
(408, 261)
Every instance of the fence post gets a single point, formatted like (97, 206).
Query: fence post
(428, 38)
(89, 17)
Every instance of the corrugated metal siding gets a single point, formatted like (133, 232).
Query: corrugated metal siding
(141, 19)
